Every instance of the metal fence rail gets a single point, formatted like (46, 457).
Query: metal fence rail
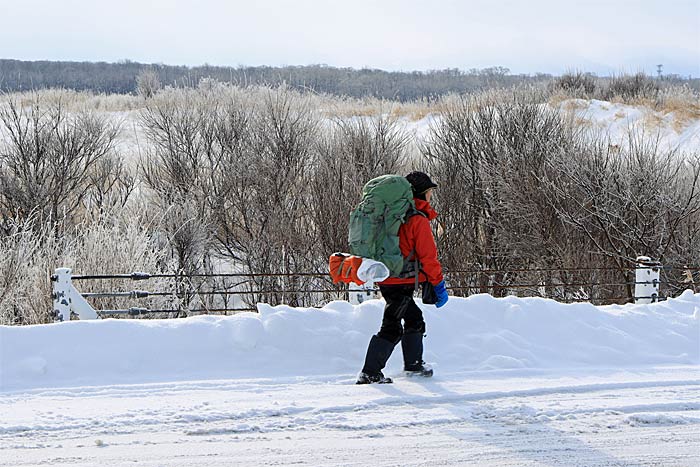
(188, 295)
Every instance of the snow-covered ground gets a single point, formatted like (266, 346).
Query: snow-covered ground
(672, 130)
(518, 382)
(616, 121)
(613, 120)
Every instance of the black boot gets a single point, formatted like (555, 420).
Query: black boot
(413, 364)
(378, 352)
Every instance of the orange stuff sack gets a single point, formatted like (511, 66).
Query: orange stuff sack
(343, 268)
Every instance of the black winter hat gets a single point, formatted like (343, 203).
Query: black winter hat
(420, 182)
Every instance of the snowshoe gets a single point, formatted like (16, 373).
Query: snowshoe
(364, 378)
(422, 369)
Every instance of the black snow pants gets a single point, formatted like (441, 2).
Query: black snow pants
(400, 306)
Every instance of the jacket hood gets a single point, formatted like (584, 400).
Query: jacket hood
(425, 207)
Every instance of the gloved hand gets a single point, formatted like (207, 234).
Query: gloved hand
(441, 293)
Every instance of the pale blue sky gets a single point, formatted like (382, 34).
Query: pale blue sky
(524, 36)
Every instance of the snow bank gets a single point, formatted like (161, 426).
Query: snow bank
(614, 120)
(475, 333)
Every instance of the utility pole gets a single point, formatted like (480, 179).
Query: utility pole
(659, 70)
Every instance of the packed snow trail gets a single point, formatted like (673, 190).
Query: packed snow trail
(518, 382)
(607, 418)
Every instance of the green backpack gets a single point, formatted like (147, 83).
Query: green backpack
(387, 202)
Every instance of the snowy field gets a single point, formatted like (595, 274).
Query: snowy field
(518, 382)
(670, 130)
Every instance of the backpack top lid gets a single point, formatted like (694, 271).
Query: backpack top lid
(388, 196)
(374, 224)
(388, 188)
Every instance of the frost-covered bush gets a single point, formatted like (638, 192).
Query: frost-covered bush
(489, 154)
(522, 188)
(114, 243)
(261, 180)
(52, 160)
(629, 88)
(27, 255)
(147, 83)
(575, 84)
(121, 242)
(257, 167)
(240, 160)
(683, 100)
(351, 152)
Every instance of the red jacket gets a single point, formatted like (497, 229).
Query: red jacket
(416, 233)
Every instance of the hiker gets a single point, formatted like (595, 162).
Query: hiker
(415, 236)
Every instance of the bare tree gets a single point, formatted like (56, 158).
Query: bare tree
(49, 157)
(147, 83)
(352, 151)
(490, 154)
(242, 166)
(112, 185)
(461, 152)
(284, 132)
(629, 201)
(180, 129)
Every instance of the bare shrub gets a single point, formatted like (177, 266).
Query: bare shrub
(507, 167)
(488, 153)
(523, 190)
(353, 151)
(112, 184)
(27, 253)
(275, 182)
(631, 88)
(575, 84)
(256, 170)
(635, 200)
(243, 164)
(177, 168)
(147, 83)
(48, 158)
(114, 243)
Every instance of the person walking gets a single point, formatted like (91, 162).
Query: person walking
(416, 241)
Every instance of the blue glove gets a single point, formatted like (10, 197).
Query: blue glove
(441, 293)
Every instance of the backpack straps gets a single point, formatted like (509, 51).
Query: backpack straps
(417, 266)
(411, 265)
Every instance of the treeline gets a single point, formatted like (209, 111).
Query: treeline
(121, 78)
(257, 180)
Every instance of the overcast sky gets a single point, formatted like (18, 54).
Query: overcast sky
(525, 36)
